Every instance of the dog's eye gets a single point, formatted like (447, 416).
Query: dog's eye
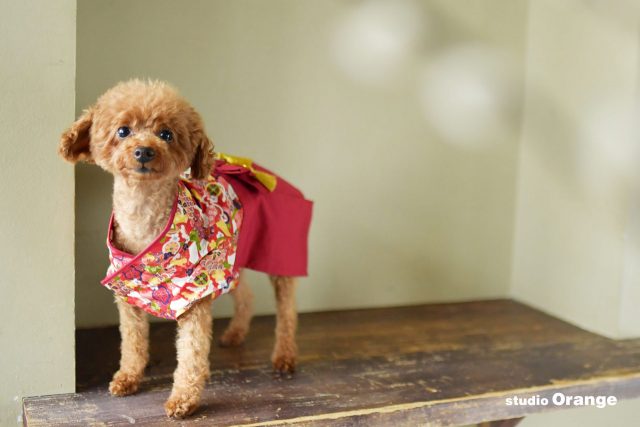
(124, 132)
(166, 135)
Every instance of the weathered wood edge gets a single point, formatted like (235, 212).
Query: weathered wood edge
(457, 409)
(444, 411)
(453, 411)
(511, 422)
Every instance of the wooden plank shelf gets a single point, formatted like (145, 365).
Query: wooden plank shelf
(438, 364)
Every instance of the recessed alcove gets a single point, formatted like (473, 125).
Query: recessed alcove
(476, 230)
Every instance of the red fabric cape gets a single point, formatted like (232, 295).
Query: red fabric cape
(275, 227)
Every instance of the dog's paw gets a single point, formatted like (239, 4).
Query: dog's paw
(284, 363)
(232, 337)
(124, 384)
(181, 406)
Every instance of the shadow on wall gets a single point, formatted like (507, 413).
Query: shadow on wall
(93, 208)
(398, 118)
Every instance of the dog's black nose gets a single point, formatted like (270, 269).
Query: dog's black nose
(144, 154)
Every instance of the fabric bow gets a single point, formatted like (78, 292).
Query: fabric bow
(265, 178)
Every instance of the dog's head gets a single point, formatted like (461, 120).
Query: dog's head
(141, 131)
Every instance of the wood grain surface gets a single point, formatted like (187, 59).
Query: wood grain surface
(439, 364)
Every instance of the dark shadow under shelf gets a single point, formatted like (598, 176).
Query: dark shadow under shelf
(446, 364)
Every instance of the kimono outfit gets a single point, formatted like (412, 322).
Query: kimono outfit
(240, 216)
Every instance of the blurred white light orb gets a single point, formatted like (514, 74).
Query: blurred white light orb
(374, 39)
(465, 94)
(608, 150)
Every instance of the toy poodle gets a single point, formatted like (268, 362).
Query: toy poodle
(185, 224)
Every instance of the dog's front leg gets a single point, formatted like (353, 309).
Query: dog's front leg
(193, 345)
(285, 351)
(134, 350)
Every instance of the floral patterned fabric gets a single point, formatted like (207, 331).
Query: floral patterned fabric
(194, 256)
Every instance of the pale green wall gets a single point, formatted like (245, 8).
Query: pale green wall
(37, 68)
(577, 235)
(401, 215)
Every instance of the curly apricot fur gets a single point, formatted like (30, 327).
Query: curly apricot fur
(141, 206)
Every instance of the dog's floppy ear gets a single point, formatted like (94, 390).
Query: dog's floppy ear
(74, 142)
(203, 159)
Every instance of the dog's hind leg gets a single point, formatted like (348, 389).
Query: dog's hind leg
(285, 350)
(192, 345)
(134, 350)
(243, 312)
